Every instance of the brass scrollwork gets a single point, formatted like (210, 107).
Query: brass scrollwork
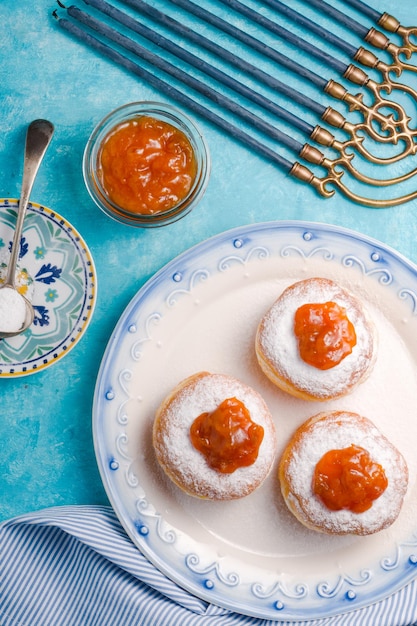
(407, 33)
(345, 159)
(337, 120)
(392, 25)
(379, 40)
(388, 85)
(334, 179)
(396, 52)
(395, 128)
(369, 59)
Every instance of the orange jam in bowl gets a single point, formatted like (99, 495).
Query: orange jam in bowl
(146, 164)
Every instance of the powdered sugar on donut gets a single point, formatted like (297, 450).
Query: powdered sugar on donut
(332, 431)
(186, 466)
(277, 346)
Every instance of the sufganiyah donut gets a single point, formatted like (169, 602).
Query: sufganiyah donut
(340, 475)
(214, 437)
(317, 341)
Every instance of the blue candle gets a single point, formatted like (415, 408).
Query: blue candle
(186, 78)
(254, 43)
(224, 54)
(305, 22)
(174, 93)
(366, 9)
(201, 65)
(287, 35)
(338, 16)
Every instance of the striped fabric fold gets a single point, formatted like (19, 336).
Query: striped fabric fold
(75, 566)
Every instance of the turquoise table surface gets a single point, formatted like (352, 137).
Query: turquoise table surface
(47, 456)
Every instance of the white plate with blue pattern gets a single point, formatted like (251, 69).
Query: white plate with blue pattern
(200, 312)
(56, 267)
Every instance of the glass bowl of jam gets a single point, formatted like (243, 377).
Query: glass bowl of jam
(146, 164)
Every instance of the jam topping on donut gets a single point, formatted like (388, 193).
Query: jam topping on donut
(348, 479)
(227, 436)
(325, 334)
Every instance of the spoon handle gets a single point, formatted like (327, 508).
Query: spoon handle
(38, 137)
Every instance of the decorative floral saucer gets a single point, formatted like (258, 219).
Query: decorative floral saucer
(56, 271)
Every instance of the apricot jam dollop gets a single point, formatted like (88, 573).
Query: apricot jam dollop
(325, 334)
(227, 436)
(348, 479)
(146, 165)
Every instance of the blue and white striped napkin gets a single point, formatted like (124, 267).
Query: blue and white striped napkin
(75, 566)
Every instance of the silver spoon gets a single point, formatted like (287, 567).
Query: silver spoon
(38, 137)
